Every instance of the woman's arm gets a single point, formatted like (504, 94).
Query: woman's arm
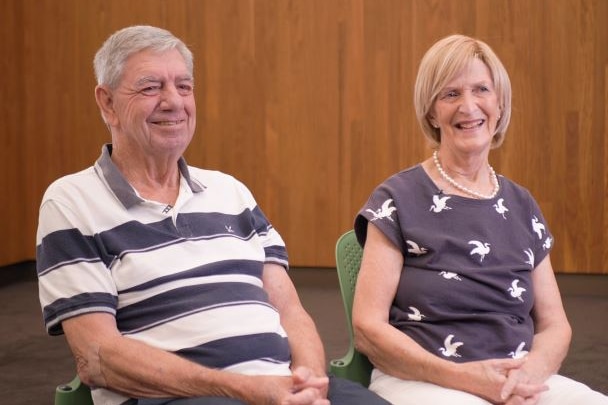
(552, 331)
(393, 352)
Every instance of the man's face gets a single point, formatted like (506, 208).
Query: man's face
(153, 106)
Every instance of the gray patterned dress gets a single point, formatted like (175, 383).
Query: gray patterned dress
(465, 291)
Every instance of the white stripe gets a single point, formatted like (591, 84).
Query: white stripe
(260, 367)
(222, 322)
(74, 279)
(137, 268)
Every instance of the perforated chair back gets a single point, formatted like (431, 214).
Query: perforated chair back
(354, 365)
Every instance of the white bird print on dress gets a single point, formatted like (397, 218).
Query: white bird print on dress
(448, 275)
(481, 249)
(383, 212)
(519, 352)
(538, 227)
(449, 349)
(500, 208)
(415, 249)
(228, 228)
(548, 243)
(439, 203)
(415, 315)
(530, 255)
(516, 290)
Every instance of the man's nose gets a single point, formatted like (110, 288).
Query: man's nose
(170, 98)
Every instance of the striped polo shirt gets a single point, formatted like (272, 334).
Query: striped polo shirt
(184, 278)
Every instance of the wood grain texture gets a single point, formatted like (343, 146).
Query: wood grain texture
(309, 103)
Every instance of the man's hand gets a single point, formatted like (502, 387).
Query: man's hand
(304, 380)
(302, 388)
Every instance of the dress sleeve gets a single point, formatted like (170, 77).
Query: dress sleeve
(542, 236)
(381, 210)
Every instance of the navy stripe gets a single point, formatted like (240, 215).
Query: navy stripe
(259, 222)
(77, 303)
(222, 353)
(68, 246)
(184, 301)
(225, 267)
(278, 252)
(207, 225)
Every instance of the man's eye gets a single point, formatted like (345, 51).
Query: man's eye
(150, 90)
(185, 89)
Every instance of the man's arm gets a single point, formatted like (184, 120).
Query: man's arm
(105, 358)
(304, 341)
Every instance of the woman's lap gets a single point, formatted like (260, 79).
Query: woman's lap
(562, 391)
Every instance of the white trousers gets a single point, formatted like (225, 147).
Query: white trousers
(562, 391)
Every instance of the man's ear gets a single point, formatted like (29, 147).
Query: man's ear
(104, 100)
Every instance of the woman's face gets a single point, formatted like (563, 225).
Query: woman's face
(467, 111)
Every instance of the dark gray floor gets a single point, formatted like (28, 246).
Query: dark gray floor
(32, 364)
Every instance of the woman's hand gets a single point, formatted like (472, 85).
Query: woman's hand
(499, 381)
(517, 378)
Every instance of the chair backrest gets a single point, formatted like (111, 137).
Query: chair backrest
(348, 262)
(354, 365)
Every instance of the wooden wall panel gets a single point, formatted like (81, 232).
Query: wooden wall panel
(309, 102)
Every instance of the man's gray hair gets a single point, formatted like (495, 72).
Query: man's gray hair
(111, 57)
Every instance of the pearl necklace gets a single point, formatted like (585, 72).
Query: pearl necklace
(463, 188)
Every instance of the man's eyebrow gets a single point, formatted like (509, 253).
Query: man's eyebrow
(151, 79)
(146, 79)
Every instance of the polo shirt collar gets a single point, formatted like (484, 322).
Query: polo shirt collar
(105, 168)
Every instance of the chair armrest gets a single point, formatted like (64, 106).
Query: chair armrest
(73, 393)
(353, 366)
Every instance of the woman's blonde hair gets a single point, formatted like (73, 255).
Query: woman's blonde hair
(441, 63)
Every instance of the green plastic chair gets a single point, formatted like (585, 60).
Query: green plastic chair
(354, 365)
(73, 393)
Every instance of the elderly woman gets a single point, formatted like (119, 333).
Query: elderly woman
(456, 301)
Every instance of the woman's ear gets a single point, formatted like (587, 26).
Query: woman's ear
(105, 102)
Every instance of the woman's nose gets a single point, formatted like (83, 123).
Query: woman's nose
(468, 102)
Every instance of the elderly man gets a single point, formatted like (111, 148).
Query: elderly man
(168, 281)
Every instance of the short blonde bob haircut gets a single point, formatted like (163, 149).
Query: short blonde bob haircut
(441, 63)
